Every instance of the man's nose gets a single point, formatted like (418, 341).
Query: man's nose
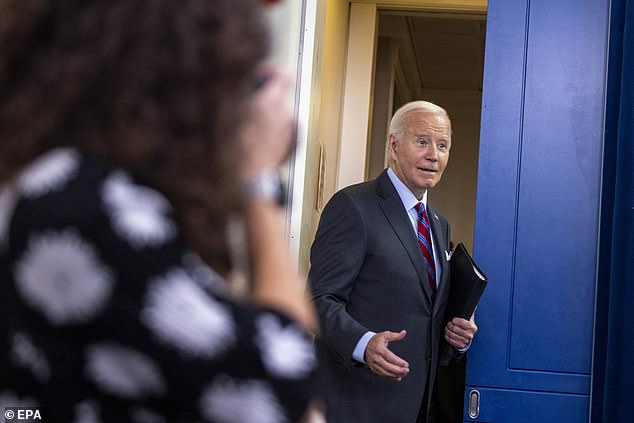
(431, 153)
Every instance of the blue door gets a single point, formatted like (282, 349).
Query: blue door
(537, 212)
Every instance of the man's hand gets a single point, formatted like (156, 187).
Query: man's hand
(459, 332)
(381, 360)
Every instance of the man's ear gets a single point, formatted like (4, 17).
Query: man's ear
(391, 146)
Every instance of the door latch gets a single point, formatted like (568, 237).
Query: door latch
(474, 404)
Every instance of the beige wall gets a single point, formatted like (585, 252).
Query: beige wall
(330, 71)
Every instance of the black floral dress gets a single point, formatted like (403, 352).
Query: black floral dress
(105, 316)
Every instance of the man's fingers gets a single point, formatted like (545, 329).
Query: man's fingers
(384, 355)
(459, 332)
(394, 359)
(387, 369)
(381, 360)
(457, 337)
(456, 331)
(466, 325)
(387, 354)
(456, 341)
(462, 327)
(390, 370)
(394, 336)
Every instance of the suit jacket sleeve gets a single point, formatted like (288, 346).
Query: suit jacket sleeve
(337, 255)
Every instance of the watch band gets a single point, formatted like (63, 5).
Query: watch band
(266, 185)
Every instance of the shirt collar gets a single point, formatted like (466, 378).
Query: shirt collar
(408, 199)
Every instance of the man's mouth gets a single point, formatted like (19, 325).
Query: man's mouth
(428, 170)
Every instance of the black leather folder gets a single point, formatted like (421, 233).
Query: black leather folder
(467, 284)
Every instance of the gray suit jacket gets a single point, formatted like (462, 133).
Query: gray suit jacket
(367, 273)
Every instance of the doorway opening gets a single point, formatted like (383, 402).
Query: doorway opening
(438, 57)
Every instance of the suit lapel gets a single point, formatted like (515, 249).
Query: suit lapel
(396, 215)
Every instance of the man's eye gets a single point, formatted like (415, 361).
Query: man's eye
(422, 141)
(442, 146)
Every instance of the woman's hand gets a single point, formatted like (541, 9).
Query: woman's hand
(266, 136)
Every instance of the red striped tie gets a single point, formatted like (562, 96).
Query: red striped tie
(424, 240)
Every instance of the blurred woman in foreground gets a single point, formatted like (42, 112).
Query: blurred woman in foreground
(131, 132)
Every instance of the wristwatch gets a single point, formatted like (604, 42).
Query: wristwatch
(267, 186)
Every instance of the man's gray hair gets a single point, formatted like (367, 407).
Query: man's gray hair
(397, 124)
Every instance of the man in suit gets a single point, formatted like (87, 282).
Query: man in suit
(379, 291)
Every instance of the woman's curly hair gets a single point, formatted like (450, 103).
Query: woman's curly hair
(157, 87)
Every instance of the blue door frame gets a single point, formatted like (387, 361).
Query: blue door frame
(538, 209)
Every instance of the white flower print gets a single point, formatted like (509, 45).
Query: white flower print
(228, 400)
(49, 172)
(286, 352)
(24, 353)
(182, 314)
(87, 412)
(61, 276)
(123, 372)
(138, 213)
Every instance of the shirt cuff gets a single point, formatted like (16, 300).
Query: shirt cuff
(461, 350)
(359, 351)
